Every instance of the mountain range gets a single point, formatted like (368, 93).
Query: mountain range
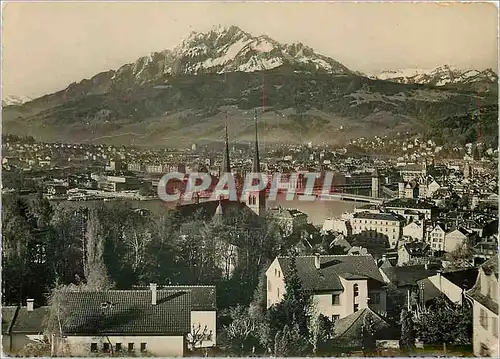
(441, 76)
(187, 93)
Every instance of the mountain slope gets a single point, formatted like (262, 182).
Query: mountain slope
(185, 94)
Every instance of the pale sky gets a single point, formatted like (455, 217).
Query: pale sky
(47, 46)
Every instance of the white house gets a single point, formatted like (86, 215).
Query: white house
(134, 321)
(414, 230)
(452, 284)
(485, 311)
(340, 285)
(432, 188)
(337, 225)
(455, 239)
(386, 225)
(436, 238)
(400, 205)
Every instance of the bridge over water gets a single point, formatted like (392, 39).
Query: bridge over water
(352, 197)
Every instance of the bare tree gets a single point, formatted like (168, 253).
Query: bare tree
(198, 335)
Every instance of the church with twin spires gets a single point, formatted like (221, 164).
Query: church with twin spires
(253, 200)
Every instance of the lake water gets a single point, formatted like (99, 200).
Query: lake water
(317, 211)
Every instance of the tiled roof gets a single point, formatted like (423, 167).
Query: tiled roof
(350, 328)
(417, 248)
(475, 293)
(379, 216)
(8, 314)
(30, 322)
(331, 268)
(407, 275)
(430, 291)
(463, 278)
(202, 297)
(408, 203)
(128, 311)
(209, 207)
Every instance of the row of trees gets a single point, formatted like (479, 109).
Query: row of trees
(114, 245)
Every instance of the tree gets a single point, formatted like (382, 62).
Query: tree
(95, 269)
(294, 308)
(198, 335)
(290, 342)
(320, 328)
(407, 341)
(241, 334)
(258, 306)
(445, 323)
(369, 331)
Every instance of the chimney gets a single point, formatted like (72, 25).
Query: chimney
(152, 286)
(30, 304)
(317, 262)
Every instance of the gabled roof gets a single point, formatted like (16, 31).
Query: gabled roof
(416, 248)
(327, 278)
(8, 314)
(490, 267)
(407, 275)
(350, 328)
(30, 322)
(203, 297)
(127, 312)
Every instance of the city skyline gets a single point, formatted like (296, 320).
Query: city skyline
(89, 38)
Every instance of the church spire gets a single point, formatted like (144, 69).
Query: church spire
(256, 160)
(226, 164)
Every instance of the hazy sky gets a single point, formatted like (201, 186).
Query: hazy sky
(46, 46)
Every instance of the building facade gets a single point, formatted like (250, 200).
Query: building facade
(384, 225)
(350, 283)
(485, 310)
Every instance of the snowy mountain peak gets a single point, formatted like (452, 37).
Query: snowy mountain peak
(227, 49)
(440, 76)
(15, 100)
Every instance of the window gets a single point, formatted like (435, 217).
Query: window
(355, 290)
(93, 347)
(335, 299)
(130, 347)
(118, 347)
(105, 347)
(268, 285)
(279, 274)
(275, 272)
(356, 307)
(494, 326)
(375, 298)
(335, 317)
(483, 319)
(278, 292)
(143, 347)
